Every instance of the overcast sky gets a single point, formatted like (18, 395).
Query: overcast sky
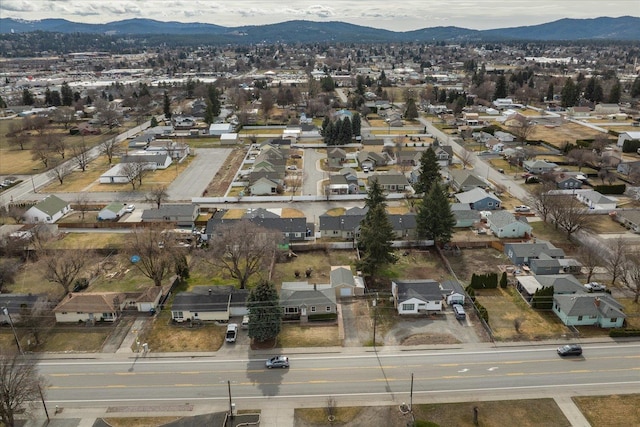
(398, 15)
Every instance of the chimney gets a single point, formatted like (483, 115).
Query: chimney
(209, 291)
(596, 301)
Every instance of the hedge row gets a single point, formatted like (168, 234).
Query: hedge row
(624, 333)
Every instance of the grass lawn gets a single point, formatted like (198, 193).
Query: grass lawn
(294, 335)
(615, 410)
(78, 180)
(320, 263)
(521, 413)
(506, 305)
(479, 261)
(89, 241)
(164, 336)
(632, 310)
(604, 224)
(140, 421)
(416, 264)
(77, 338)
(568, 132)
(318, 416)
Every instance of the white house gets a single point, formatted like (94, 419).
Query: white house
(628, 136)
(90, 307)
(49, 210)
(218, 129)
(112, 211)
(596, 201)
(504, 224)
(416, 296)
(263, 186)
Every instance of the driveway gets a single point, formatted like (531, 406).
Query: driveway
(357, 323)
(195, 179)
(312, 172)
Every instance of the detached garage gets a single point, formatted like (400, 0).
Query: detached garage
(113, 211)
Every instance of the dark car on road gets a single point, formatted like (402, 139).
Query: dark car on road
(277, 362)
(570, 350)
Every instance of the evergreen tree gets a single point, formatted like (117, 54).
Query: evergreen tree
(411, 111)
(589, 89)
(376, 236)
(327, 84)
(3, 104)
(47, 97)
(501, 88)
(360, 85)
(154, 121)
(615, 93)
(213, 100)
(570, 94)
(550, 93)
(27, 97)
(375, 197)
(429, 171)
(344, 137)
(166, 108)
(55, 98)
(265, 313)
(325, 123)
(66, 95)
(435, 221)
(356, 124)
(635, 87)
(328, 132)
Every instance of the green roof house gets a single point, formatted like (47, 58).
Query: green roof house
(112, 211)
(48, 211)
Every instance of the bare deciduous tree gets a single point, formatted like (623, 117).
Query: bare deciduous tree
(80, 154)
(132, 171)
(42, 153)
(21, 385)
(82, 204)
(523, 131)
(630, 274)
(571, 215)
(36, 321)
(8, 269)
(467, 157)
(542, 201)
(242, 249)
(64, 115)
(60, 171)
(580, 157)
(110, 148)
(156, 252)
(590, 257)
(64, 268)
(614, 257)
(157, 195)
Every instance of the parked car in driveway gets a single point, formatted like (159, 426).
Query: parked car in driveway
(277, 362)
(570, 350)
(232, 332)
(595, 287)
(130, 208)
(522, 208)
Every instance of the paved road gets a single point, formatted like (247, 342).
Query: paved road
(362, 374)
(195, 179)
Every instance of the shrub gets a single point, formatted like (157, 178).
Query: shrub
(610, 189)
(484, 281)
(624, 333)
(503, 280)
(322, 317)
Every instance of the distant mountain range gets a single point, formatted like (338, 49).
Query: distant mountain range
(604, 28)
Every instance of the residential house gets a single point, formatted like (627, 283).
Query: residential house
(183, 122)
(347, 225)
(19, 304)
(293, 226)
(371, 160)
(416, 296)
(90, 307)
(589, 309)
(336, 157)
(566, 181)
(539, 167)
(444, 155)
(627, 136)
(217, 129)
(150, 161)
(344, 182)
(579, 112)
(504, 224)
(307, 302)
(504, 136)
(628, 167)
(177, 151)
(595, 200)
(523, 253)
(464, 215)
(112, 211)
(391, 182)
(408, 158)
(563, 284)
(118, 174)
(264, 186)
(464, 180)
(544, 265)
(48, 210)
(183, 215)
(606, 109)
(141, 142)
(629, 218)
(345, 283)
(144, 301)
(479, 199)
(516, 120)
(209, 303)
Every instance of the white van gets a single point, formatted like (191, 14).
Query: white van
(232, 332)
(245, 322)
(458, 310)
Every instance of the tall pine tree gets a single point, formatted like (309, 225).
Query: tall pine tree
(429, 171)
(501, 88)
(376, 236)
(435, 220)
(265, 313)
(356, 124)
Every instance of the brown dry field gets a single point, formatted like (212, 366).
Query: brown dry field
(522, 413)
(567, 132)
(610, 411)
(224, 177)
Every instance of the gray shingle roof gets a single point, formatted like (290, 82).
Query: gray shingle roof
(426, 290)
(51, 205)
(601, 305)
